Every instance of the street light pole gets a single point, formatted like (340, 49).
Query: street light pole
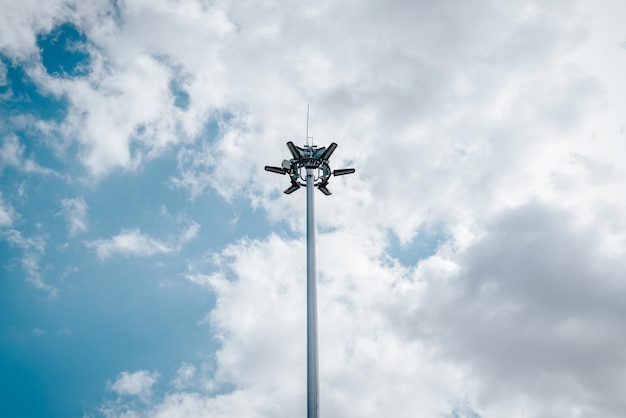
(311, 302)
(309, 167)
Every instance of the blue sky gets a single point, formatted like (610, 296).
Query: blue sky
(471, 267)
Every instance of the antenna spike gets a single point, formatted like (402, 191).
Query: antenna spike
(307, 125)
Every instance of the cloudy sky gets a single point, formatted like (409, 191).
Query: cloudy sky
(473, 267)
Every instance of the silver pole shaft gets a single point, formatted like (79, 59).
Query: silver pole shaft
(311, 302)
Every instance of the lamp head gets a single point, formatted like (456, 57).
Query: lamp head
(309, 158)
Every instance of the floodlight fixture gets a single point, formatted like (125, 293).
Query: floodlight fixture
(310, 157)
(296, 152)
(294, 186)
(324, 190)
(278, 170)
(328, 152)
(310, 168)
(343, 171)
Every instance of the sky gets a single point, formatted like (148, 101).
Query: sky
(474, 266)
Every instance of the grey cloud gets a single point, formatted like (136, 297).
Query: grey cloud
(536, 311)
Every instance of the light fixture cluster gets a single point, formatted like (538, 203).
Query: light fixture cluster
(309, 157)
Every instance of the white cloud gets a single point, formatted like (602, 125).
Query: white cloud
(476, 118)
(524, 320)
(75, 211)
(22, 21)
(259, 319)
(31, 264)
(12, 155)
(188, 234)
(138, 383)
(134, 243)
(15, 238)
(199, 279)
(67, 271)
(33, 248)
(7, 214)
(499, 123)
(129, 242)
(184, 377)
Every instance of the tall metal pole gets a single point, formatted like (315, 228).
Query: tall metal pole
(315, 161)
(311, 301)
